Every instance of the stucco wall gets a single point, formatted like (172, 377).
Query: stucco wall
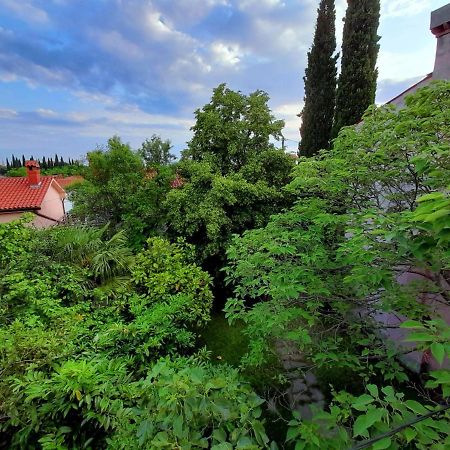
(37, 222)
(9, 217)
(52, 205)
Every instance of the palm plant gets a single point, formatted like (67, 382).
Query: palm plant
(107, 260)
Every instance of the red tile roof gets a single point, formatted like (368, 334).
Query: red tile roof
(66, 181)
(16, 193)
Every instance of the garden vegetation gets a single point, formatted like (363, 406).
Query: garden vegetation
(101, 321)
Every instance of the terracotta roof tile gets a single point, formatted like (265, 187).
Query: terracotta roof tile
(66, 181)
(16, 193)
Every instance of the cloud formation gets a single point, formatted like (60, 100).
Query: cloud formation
(81, 71)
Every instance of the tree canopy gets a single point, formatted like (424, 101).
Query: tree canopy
(358, 78)
(156, 152)
(232, 128)
(320, 84)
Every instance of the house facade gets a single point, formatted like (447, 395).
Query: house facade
(40, 195)
(436, 303)
(440, 27)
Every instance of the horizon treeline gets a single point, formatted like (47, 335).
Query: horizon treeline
(45, 163)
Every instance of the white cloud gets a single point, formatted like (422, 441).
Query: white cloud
(6, 113)
(227, 54)
(114, 43)
(26, 11)
(288, 112)
(44, 112)
(260, 5)
(398, 66)
(401, 8)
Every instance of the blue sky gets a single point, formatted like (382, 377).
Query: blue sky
(75, 72)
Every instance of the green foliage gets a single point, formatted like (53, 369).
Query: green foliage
(172, 298)
(232, 128)
(82, 318)
(210, 207)
(156, 152)
(17, 172)
(98, 343)
(272, 166)
(185, 404)
(320, 84)
(373, 414)
(119, 191)
(358, 78)
(72, 407)
(14, 240)
(68, 170)
(321, 273)
(113, 175)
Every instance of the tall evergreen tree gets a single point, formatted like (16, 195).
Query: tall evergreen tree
(358, 79)
(8, 166)
(320, 84)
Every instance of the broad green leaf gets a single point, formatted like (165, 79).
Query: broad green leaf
(222, 446)
(382, 444)
(363, 423)
(419, 337)
(292, 433)
(416, 407)
(438, 351)
(373, 389)
(411, 324)
(362, 401)
(432, 196)
(410, 434)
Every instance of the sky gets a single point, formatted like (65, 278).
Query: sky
(75, 72)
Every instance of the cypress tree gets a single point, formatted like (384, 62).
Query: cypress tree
(320, 84)
(358, 79)
(23, 160)
(8, 166)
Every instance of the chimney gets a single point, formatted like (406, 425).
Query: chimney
(33, 173)
(440, 27)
